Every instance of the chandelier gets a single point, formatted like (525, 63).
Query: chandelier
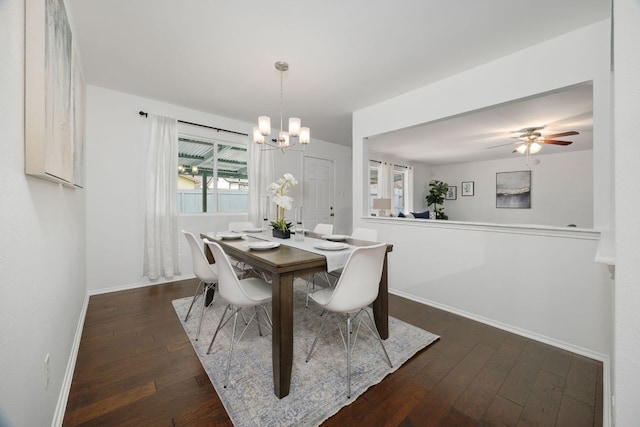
(285, 140)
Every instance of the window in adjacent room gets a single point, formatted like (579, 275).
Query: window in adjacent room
(373, 184)
(212, 176)
(398, 202)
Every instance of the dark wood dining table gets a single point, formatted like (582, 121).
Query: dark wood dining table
(283, 265)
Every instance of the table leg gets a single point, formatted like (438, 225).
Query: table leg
(282, 345)
(381, 304)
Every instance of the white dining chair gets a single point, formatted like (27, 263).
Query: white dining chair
(240, 226)
(355, 290)
(239, 294)
(323, 229)
(205, 272)
(368, 234)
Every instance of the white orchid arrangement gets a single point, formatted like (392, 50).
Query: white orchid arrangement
(278, 193)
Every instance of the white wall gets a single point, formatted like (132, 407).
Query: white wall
(561, 190)
(42, 259)
(475, 270)
(627, 291)
(117, 138)
(544, 286)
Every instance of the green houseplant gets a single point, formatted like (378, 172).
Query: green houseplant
(437, 191)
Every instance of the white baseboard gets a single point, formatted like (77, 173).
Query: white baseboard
(604, 358)
(140, 285)
(58, 416)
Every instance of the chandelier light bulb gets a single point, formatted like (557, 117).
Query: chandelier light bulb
(258, 137)
(294, 126)
(264, 124)
(283, 139)
(305, 135)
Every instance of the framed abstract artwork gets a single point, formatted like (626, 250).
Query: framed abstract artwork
(513, 190)
(54, 94)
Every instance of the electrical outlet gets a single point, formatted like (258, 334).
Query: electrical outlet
(46, 371)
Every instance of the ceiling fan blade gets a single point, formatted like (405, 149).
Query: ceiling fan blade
(556, 135)
(528, 130)
(554, 142)
(502, 145)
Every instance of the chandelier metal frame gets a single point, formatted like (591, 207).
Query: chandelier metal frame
(286, 139)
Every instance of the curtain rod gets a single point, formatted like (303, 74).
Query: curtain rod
(142, 113)
(400, 166)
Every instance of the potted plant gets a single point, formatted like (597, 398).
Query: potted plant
(437, 191)
(278, 192)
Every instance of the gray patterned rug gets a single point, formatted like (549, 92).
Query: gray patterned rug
(318, 388)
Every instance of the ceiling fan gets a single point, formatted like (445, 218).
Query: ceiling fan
(531, 140)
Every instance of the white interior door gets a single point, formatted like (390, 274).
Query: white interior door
(318, 192)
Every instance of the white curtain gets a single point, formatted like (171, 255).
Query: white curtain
(385, 181)
(161, 238)
(409, 190)
(261, 174)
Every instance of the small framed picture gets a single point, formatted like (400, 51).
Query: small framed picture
(452, 193)
(467, 188)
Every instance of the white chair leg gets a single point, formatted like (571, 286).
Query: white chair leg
(233, 336)
(267, 314)
(374, 331)
(204, 306)
(220, 325)
(348, 356)
(195, 297)
(316, 339)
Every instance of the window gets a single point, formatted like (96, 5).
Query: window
(373, 185)
(399, 189)
(400, 197)
(212, 176)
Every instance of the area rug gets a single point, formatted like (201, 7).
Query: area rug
(318, 388)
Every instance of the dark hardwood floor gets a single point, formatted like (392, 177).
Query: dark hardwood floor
(136, 367)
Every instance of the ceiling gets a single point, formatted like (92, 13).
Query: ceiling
(218, 56)
(490, 133)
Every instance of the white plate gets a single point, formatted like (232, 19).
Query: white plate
(336, 237)
(262, 246)
(253, 230)
(331, 246)
(230, 236)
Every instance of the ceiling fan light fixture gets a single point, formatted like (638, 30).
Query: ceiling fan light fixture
(534, 147)
(522, 148)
